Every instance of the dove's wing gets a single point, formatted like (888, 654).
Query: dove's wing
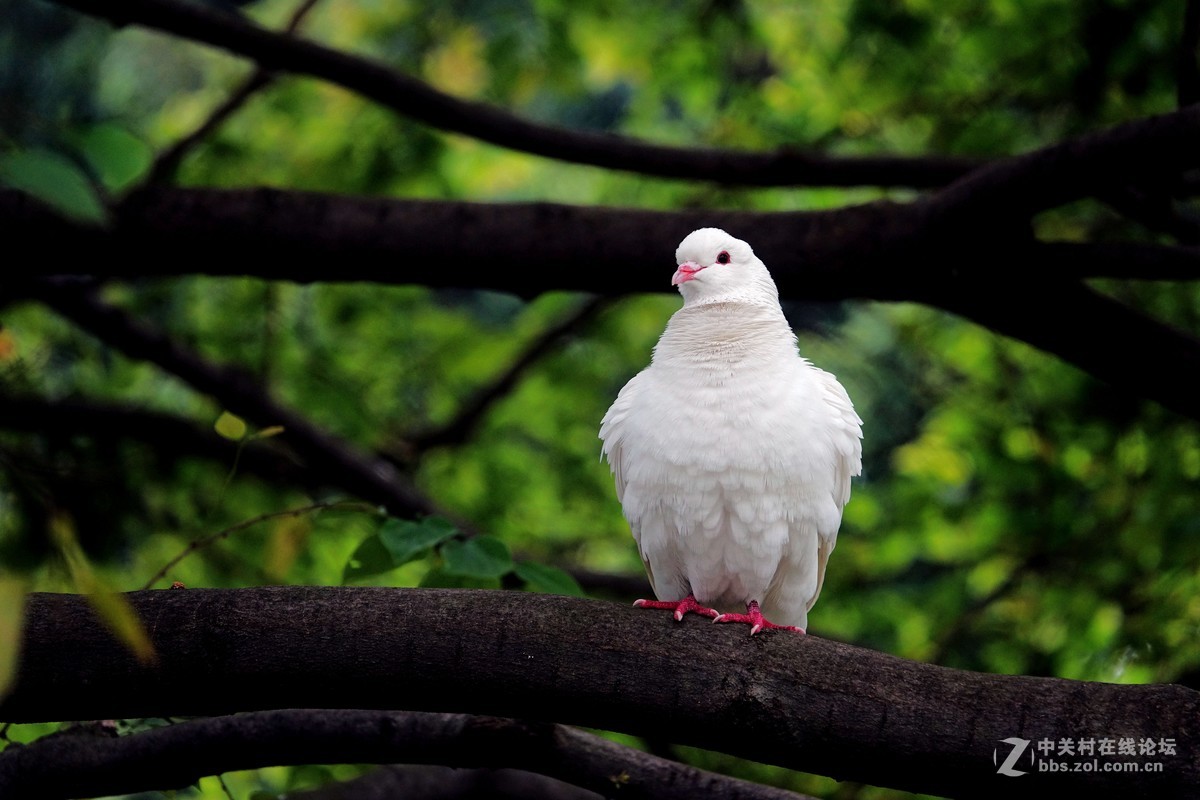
(845, 434)
(655, 527)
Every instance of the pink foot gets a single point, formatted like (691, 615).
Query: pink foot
(754, 617)
(680, 607)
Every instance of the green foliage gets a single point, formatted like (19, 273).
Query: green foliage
(397, 543)
(452, 559)
(117, 156)
(54, 180)
(548, 579)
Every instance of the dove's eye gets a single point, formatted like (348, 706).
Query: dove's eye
(723, 258)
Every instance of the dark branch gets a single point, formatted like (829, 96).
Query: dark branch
(876, 251)
(168, 161)
(1152, 150)
(1157, 212)
(170, 436)
(1148, 262)
(847, 252)
(879, 251)
(1133, 353)
(373, 479)
(800, 702)
(419, 101)
(463, 425)
(1187, 67)
(178, 755)
(512, 247)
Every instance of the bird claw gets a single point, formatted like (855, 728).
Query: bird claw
(678, 607)
(754, 618)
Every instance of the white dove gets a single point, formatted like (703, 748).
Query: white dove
(732, 454)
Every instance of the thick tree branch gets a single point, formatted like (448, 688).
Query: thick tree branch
(1149, 150)
(178, 755)
(800, 702)
(521, 248)
(374, 479)
(1131, 352)
(878, 251)
(419, 101)
(1121, 260)
(1156, 211)
(851, 251)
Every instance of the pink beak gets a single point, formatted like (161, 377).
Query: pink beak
(686, 272)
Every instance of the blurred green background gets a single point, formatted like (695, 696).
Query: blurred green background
(1014, 515)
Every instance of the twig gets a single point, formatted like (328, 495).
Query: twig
(460, 428)
(165, 433)
(168, 161)
(199, 544)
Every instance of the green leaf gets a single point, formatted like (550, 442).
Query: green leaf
(12, 610)
(481, 557)
(118, 156)
(548, 579)
(55, 181)
(230, 426)
(408, 540)
(111, 606)
(119, 617)
(371, 558)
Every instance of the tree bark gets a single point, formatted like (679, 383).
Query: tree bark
(68, 766)
(878, 251)
(796, 701)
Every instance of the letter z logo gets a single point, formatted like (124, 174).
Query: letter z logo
(1018, 749)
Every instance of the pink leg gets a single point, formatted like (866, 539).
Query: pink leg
(680, 607)
(754, 617)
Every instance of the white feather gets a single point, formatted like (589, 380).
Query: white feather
(732, 455)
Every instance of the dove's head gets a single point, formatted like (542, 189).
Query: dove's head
(714, 267)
